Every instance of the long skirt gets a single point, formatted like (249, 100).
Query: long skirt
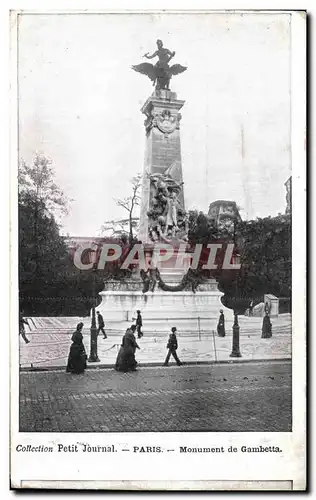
(221, 329)
(266, 328)
(77, 359)
(125, 360)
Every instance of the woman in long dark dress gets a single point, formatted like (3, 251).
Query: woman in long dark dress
(221, 324)
(125, 360)
(77, 359)
(266, 327)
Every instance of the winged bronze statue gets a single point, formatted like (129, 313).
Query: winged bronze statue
(160, 73)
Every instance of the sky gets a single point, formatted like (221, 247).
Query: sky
(79, 104)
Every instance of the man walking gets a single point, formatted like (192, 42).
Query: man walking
(172, 346)
(139, 324)
(101, 324)
(23, 322)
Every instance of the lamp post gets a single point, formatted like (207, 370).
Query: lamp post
(93, 358)
(235, 349)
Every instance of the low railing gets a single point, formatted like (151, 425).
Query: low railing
(201, 326)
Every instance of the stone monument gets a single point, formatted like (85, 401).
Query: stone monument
(167, 292)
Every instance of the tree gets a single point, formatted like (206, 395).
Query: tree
(266, 254)
(265, 258)
(43, 199)
(39, 180)
(43, 255)
(50, 284)
(121, 228)
(201, 228)
(126, 227)
(264, 247)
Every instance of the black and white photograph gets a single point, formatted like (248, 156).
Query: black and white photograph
(155, 205)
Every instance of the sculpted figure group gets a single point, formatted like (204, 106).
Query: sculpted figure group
(149, 279)
(152, 277)
(167, 219)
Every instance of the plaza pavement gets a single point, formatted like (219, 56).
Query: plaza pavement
(49, 346)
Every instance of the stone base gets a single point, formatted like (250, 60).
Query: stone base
(161, 310)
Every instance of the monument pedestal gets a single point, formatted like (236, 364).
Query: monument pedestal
(162, 310)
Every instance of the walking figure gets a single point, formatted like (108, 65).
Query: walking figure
(139, 324)
(23, 322)
(221, 324)
(77, 358)
(172, 346)
(266, 327)
(125, 361)
(251, 306)
(101, 324)
(267, 308)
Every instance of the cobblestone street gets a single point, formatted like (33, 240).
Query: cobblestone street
(225, 397)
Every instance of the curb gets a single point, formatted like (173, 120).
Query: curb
(156, 364)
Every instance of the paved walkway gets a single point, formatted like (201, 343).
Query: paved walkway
(52, 350)
(229, 398)
(48, 349)
(248, 325)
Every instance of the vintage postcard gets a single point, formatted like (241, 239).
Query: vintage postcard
(158, 222)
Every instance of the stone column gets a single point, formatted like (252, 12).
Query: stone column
(163, 151)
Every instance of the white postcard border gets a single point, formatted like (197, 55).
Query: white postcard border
(287, 466)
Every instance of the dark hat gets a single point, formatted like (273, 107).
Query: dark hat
(138, 311)
(173, 329)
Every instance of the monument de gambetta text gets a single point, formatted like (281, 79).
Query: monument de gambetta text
(170, 290)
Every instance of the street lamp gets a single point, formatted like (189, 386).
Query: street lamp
(93, 358)
(235, 349)
(237, 305)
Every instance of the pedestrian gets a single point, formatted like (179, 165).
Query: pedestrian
(251, 306)
(77, 359)
(139, 324)
(172, 346)
(23, 322)
(101, 325)
(267, 307)
(125, 360)
(221, 324)
(266, 327)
